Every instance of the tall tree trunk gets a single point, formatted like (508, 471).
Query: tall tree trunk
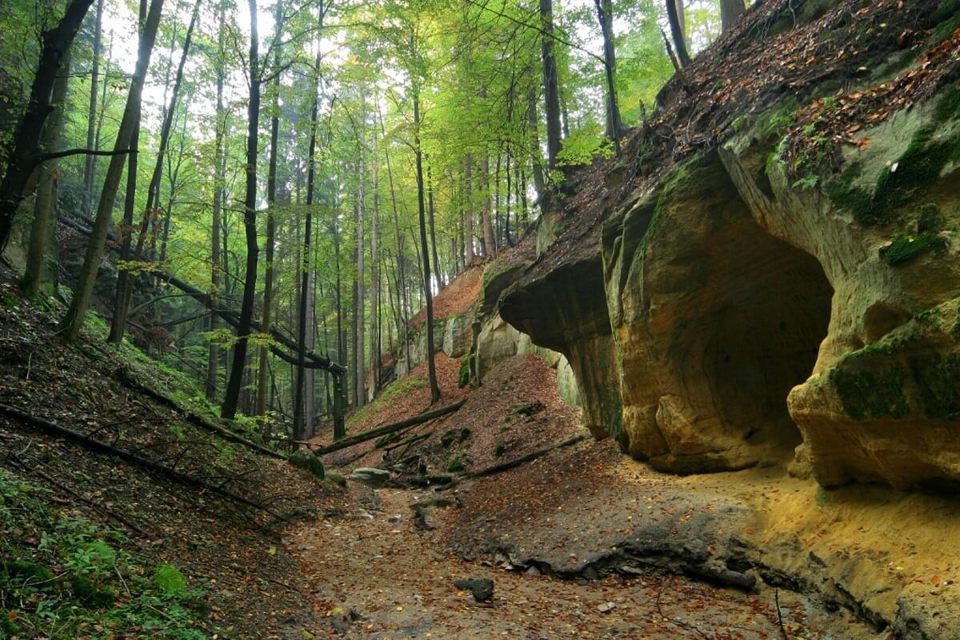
(489, 240)
(433, 229)
(402, 324)
(219, 172)
(73, 321)
(551, 84)
(119, 319)
(533, 122)
(90, 165)
(675, 18)
(614, 123)
(38, 271)
(25, 155)
(730, 12)
(266, 320)
(359, 300)
(425, 254)
(263, 369)
(124, 281)
(376, 347)
(470, 254)
(300, 418)
(232, 395)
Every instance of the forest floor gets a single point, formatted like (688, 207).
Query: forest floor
(581, 542)
(547, 533)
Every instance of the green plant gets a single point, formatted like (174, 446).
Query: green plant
(806, 182)
(169, 580)
(79, 577)
(457, 464)
(499, 448)
(905, 248)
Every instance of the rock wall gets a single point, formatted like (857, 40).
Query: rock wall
(727, 313)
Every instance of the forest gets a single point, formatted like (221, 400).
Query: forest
(318, 169)
(475, 319)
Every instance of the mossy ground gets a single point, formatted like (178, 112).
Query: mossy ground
(64, 577)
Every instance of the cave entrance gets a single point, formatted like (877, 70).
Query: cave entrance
(762, 333)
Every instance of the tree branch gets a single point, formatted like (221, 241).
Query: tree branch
(81, 152)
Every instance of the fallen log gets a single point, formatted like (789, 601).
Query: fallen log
(529, 457)
(195, 418)
(231, 317)
(102, 447)
(389, 428)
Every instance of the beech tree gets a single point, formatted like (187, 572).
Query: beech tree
(73, 321)
(25, 155)
(244, 325)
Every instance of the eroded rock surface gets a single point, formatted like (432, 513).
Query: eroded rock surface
(771, 287)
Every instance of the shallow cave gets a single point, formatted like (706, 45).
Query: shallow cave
(758, 334)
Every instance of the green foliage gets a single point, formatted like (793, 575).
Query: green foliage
(583, 145)
(806, 182)
(396, 390)
(451, 437)
(905, 248)
(463, 377)
(947, 17)
(80, 577)
(457, 463)
(499, 448)
(169, 580)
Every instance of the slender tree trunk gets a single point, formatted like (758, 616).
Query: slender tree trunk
(675, 18)
(73, 321)
(376, 347)
(730, 12)
(433, 228)
(119, 319)
(533, 122)
(216, 222)
(232, 395)
(359, 300)
(126, 226)
(605, 18)
(263, 368)
(425, 254)
(470, 254)
(489, 241)
(124, 281)
(551, 86)
(300, 418)
(44, 212)
(402, 324)
(25, 156)
(90, 165)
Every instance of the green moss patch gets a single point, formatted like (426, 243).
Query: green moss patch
(898, 184)
(874, 393)
(905, 248)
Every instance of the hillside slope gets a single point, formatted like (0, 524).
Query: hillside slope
(65, 499)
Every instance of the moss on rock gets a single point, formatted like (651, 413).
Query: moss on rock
(905, 248)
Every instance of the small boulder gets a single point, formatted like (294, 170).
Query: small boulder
(370, 476)
(481, 588)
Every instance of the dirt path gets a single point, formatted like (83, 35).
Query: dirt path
(375, 574)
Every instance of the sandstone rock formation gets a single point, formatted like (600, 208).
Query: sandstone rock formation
(772, 287)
